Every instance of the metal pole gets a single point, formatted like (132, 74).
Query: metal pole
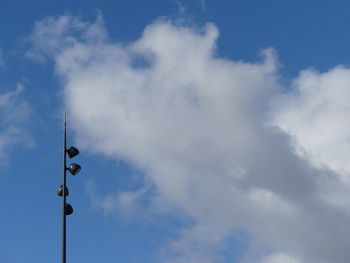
(64, 193)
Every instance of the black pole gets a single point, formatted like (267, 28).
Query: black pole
(64, 192)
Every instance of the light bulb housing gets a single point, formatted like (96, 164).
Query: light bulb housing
(74, 168)
(68, 209)
(60, 191)
(72, 151)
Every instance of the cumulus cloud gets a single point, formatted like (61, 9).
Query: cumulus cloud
(221, 141)
(315, 114)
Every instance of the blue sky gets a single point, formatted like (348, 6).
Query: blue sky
(210, 131)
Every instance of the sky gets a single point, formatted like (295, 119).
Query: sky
(209, 131)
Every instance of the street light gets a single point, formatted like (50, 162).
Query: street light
(72, 151)
(60, 191)
(74, 169)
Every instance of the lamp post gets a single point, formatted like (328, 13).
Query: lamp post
(73, 168)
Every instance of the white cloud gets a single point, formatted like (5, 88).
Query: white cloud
(315, 114)
(204, 131)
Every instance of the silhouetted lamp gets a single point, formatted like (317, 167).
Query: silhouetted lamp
(69, 209)
(60, 191)
(72, 151)
(74, 168)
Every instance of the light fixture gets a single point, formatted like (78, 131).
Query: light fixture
(60, 191)
(69, 209)
(72, 151)
(74, 168)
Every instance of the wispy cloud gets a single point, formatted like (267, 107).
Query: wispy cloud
(221, 141)
(203, 6)
(14, 111)
(125, 203)
(181, 7)
(2, 59)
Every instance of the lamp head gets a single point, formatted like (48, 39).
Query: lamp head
(60, 191)
(68, 209)
(72, 151)
(74, 168)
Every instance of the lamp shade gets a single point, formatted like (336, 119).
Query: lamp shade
(69, 209)
(72, 151)
(60, 191)
(74, 168)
